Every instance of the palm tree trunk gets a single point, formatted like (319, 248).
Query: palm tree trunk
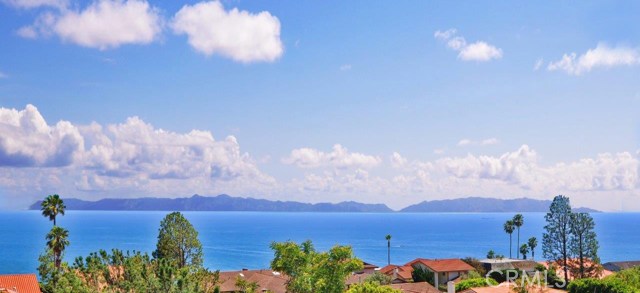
(510, 244)
(388, 252)
(518, 249)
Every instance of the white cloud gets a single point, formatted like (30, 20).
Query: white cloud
(486, 141)
(105, 24)
(132, 156)
(397, 160)
(477, 51)
(602, 56)
(29, 4)
(464, 142)
(480, 51)
(345, 67)
(239, 35)
(538, 64)
(439, 151)
(28, 141)
(339, 158)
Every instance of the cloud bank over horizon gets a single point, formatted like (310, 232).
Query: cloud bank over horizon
(133, 158)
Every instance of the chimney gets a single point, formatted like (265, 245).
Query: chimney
(451, 287)
(395, 273)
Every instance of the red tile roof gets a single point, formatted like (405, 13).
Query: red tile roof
(420, 287)
(26, 283)
(443, 265)
(403, 273)
(266, 279)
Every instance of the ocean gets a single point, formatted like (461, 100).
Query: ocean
(237, 240)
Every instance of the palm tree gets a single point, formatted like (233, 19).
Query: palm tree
(533, 242)
(388, 237)
(524, 249)
(57, 241)
(52, 206)
(509, 228)
(518, 221)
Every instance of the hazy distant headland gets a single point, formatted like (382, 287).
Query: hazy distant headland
(225, 202)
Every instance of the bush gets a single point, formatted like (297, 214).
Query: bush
(609, 285)
(368, 287)
(475, 283)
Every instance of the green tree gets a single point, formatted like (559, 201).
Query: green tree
(311, 271)
(57, 242)
(379, 278)
(420, 274)
(475, 283)
(178, 241)
(555, 239)
(371, 287)
(518, 221)
(51, 206)
(491, 254)
(509, 227)
(246, 286)
(524, 250)
(584, 246)
(388, 238)
(533, 242)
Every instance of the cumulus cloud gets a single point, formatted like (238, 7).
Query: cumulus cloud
(602, 56)
(239, 35)
(339, 158)
(397, 160)
(29, 4)
(28, 141)
(483, 142)
(477, 51)
(104, 24)
(132, 155)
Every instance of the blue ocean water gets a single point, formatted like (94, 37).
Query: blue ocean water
(236, 240)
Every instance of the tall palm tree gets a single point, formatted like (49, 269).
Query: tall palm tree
(388, 237)
(52, 206)
(518, 221)
(533, 242)
(509, 227)
(57, 242)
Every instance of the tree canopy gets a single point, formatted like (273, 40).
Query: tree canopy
(178, 241)
(51, 206)
(310, 271)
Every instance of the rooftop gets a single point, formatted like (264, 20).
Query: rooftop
(23, 283)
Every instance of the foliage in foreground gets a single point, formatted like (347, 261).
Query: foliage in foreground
(626, 281)
(311, 271)
(371, 287)
(475, 283)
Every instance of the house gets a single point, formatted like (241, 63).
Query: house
(617, 266)
(574, 262)
(267, 280)
(368, 268)
(399, 274)
(444, 270)
(24, 283)
(494, 264)
(420, 287)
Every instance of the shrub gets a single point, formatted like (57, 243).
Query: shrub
(610, 285)
(475, 283)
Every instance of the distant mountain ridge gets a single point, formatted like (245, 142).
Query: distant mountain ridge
(225, 202)
(221, 202)
(484, 205)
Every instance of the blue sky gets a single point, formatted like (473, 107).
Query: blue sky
(498, 114)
